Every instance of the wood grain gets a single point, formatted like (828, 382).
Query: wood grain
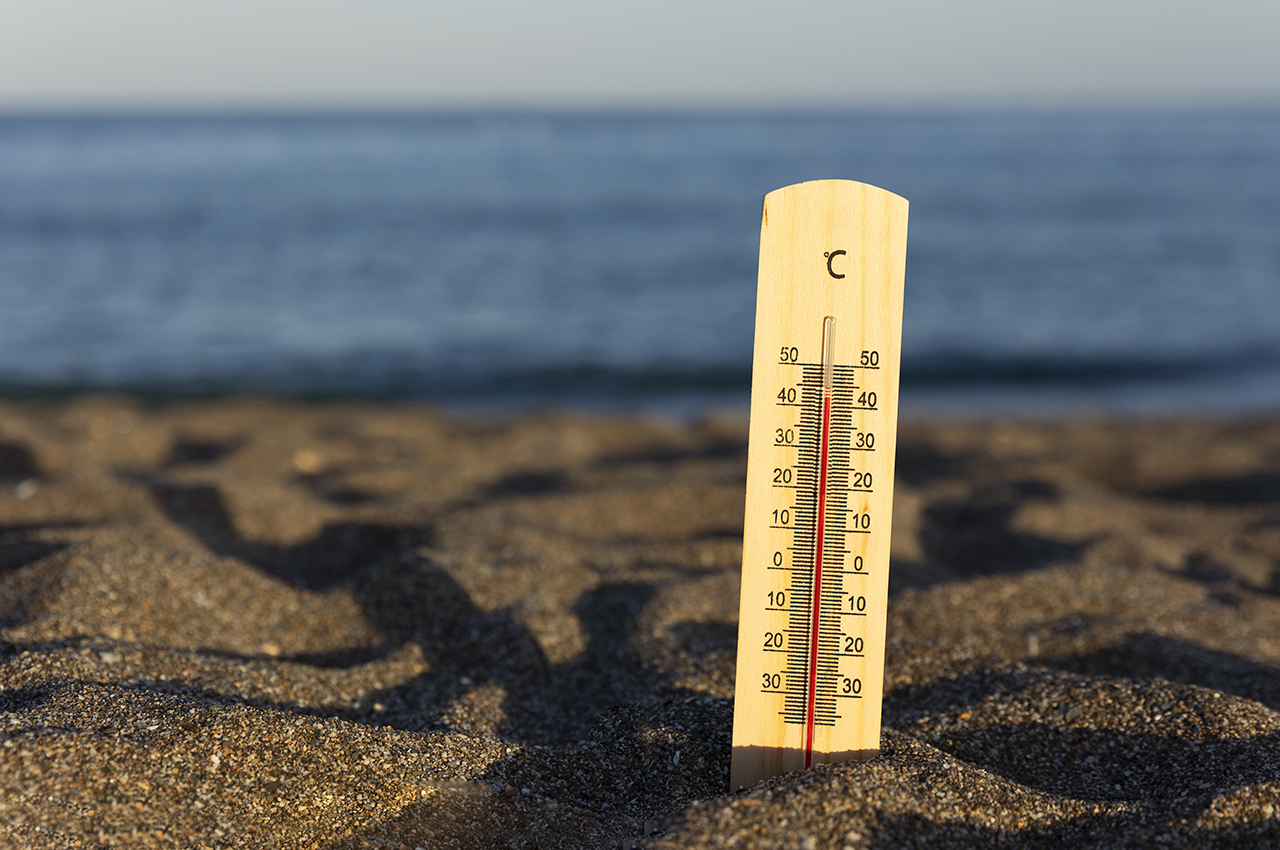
(827, 248)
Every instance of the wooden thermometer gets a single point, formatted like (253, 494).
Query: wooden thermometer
(824, 419)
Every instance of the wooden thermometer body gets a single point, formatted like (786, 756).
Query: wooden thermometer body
(824, 409)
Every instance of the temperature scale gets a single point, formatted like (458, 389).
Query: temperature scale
(824, 418)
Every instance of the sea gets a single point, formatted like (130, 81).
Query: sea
(1058, 263)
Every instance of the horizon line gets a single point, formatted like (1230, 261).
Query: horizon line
(390, 108)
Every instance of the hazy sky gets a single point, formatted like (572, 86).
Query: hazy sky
(141, 53)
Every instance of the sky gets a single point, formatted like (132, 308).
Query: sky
(131, 54)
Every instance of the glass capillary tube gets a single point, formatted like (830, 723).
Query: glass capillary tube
(824, 442)
(828, 345)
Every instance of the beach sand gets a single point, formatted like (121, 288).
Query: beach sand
(257, 623)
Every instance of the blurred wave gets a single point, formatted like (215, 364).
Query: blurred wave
(1104, 260)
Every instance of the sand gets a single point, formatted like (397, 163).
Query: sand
(256, 623)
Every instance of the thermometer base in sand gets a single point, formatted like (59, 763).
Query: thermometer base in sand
(824, 404)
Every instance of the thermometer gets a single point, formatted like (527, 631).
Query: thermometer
(824, 416)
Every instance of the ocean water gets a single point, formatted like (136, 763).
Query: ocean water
(1108, 262)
